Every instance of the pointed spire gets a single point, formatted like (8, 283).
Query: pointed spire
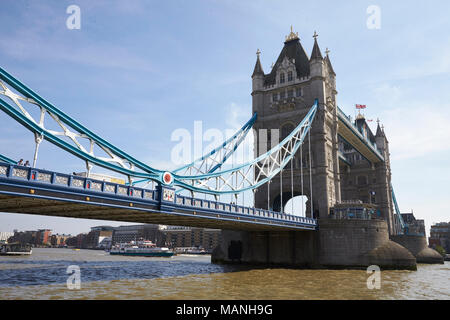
(328, 61)
(316, 54)
(258, 67)
(380, 131)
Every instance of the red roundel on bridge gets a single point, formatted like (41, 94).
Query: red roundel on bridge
(167, 177)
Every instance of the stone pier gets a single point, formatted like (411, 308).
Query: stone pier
(338, 244)
(418, 246)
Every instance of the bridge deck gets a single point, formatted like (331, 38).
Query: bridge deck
(41, 192)
(351, 134)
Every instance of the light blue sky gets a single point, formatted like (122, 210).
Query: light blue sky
(138, 70)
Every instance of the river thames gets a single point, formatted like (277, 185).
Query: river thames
(43, 275)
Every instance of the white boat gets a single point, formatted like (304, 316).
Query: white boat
(141, 248)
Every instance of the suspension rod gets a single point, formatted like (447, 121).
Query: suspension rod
(310, 173)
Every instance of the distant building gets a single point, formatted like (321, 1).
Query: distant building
(415, 226)
(440, 236)
(42, 237)
(59, 240)
(24, 237)
(72, 242)
(192, 237)
(80, 240)
(4, 236)
(97, 235)
(152, 232)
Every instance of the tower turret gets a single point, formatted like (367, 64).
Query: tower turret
(380, 140)
(258, 74)
(316, 61)
(257, 84)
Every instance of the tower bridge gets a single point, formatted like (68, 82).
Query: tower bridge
(339, 165)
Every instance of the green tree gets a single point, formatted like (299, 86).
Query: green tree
(441, 250)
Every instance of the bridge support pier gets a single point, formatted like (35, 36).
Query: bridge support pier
(338, 244)
(269, 248)
(417, 245)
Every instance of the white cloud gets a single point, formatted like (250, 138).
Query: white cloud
(414, 127)
(436, 62)
(415, 132)
(236, 115)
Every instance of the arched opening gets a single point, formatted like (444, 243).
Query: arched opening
(290, 203)
(296, 206)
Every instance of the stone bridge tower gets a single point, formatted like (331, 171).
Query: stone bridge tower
(366, 181)
(339, 172)
(281, 99)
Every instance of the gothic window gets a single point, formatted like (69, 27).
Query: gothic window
(281, 77)
(298, 92)
(275, 97)
(290, 93)
(282, 95)
(289, 76)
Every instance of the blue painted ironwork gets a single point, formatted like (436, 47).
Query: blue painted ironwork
(403, 225)
(274, 160)
(234, 142)
(347, 122)
(222, 153)
(65, 187)
(20, 115)
(6, 159)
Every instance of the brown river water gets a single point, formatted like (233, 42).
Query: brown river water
(43, 275)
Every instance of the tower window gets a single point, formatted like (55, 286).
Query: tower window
(298, 92)
(281, 77)
(290, 93)
(275, 97)
(290, 76)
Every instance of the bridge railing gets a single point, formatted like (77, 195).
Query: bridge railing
(73, 182)
(234, 208)
(354, 128)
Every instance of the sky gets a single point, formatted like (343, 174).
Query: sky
(136, 71)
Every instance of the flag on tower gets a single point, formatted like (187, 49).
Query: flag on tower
(360, 106)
